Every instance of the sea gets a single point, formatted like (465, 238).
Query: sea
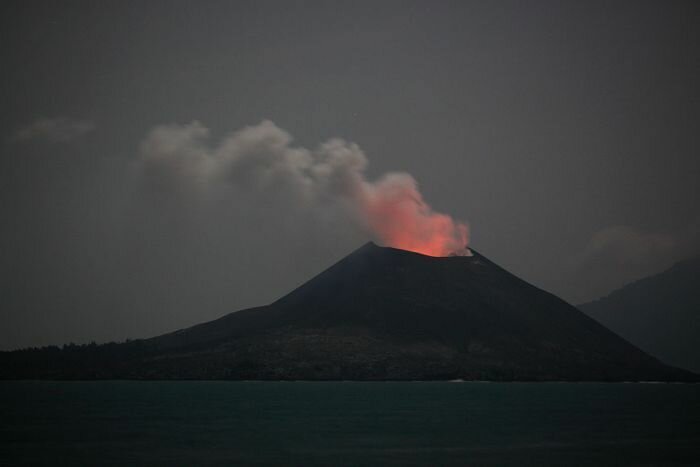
(216, 423)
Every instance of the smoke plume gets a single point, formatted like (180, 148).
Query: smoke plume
(260, 160)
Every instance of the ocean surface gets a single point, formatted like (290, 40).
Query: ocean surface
(122, 423)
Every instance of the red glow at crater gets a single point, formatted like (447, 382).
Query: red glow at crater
(396, 213)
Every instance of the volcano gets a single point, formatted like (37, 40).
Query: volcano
(378, 314)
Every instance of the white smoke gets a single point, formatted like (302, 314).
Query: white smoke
(261, 159)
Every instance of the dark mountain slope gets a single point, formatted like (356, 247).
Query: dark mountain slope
(660, 314)
(382, 313)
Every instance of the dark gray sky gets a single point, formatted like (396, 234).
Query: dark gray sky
(565, 133)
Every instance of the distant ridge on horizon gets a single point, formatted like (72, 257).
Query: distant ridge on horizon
(660, 314)
(378, 314)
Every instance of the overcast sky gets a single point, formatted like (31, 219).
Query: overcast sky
(566, 134)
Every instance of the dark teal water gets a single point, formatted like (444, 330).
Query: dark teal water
(235, 423)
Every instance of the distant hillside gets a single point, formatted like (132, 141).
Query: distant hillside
(660, 314)
(378, 314)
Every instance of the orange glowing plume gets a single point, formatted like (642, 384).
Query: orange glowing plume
(397, 215)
